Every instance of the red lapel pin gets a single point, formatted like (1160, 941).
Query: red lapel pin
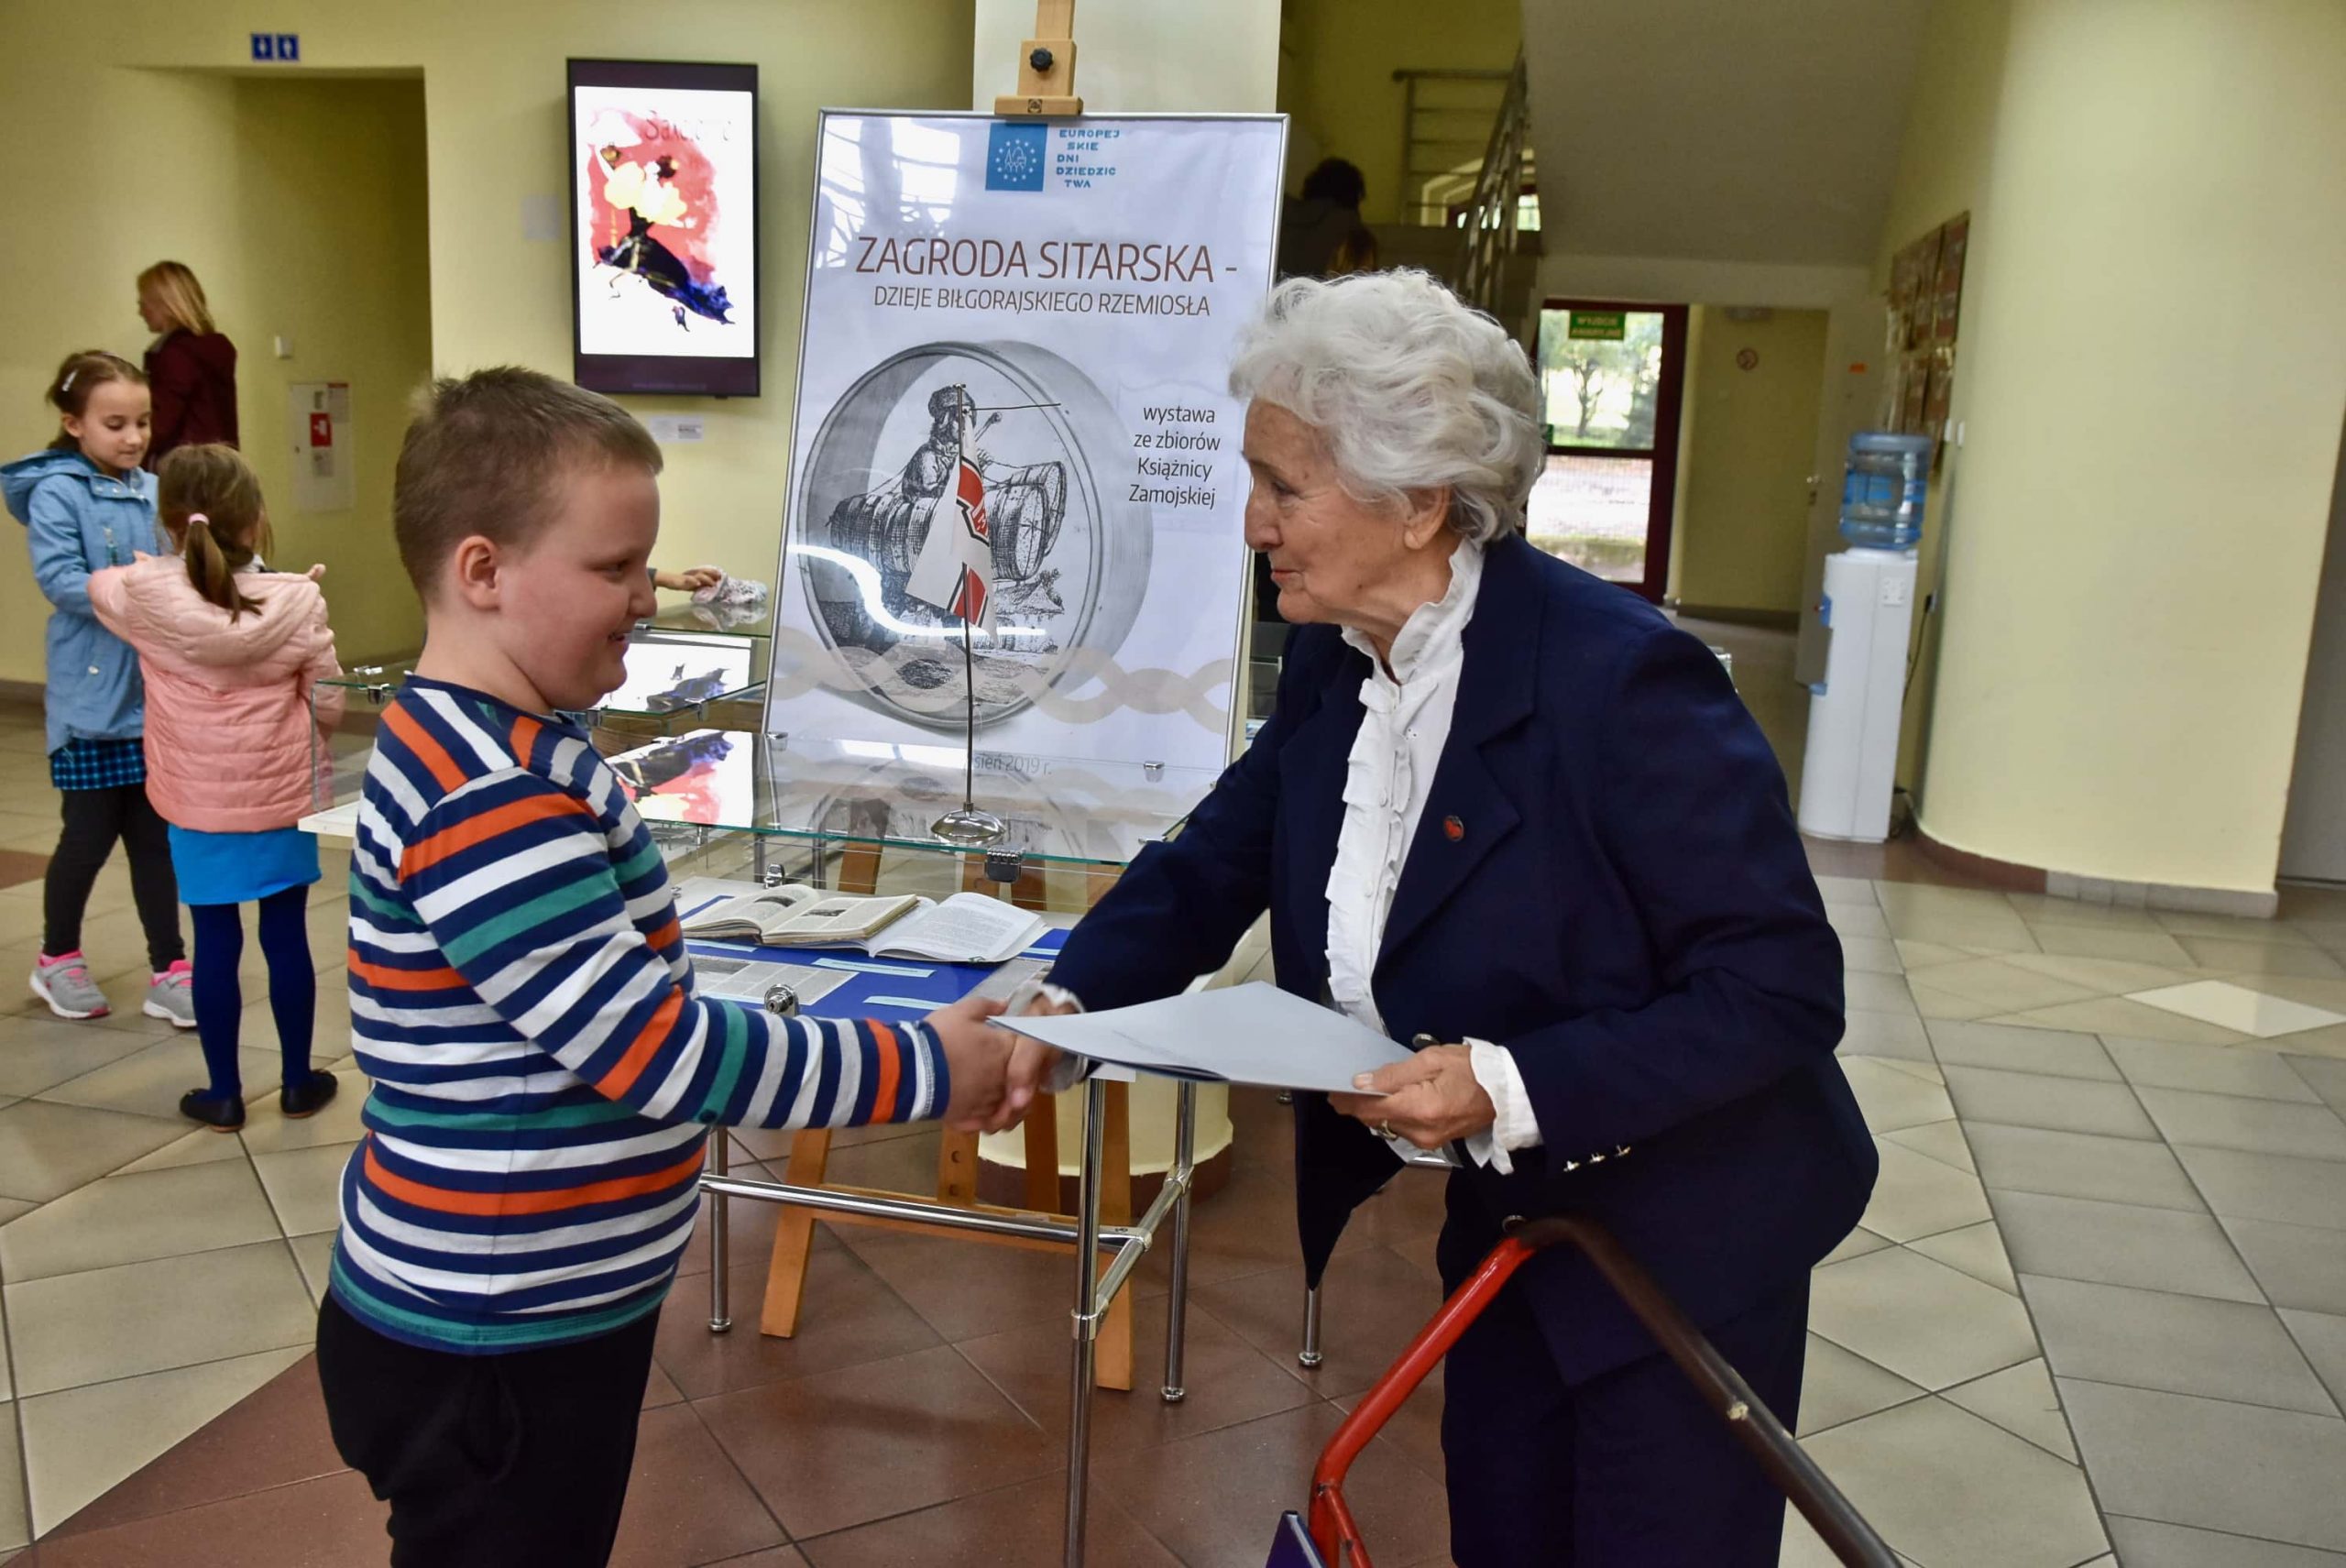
(1454, 830)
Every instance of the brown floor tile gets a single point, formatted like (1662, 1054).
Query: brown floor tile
(685, 1502)
(330, 1522)
(660, 1389)
(1017, 1527)
(849, 1318)
(772, 1557)
(1262, 1130)
(274, 1437)
(1228, 1381)
(749, 1232)
(1246, 1228)
(1416, 1428)
(1372, 1304)
(1215, 1499)
(965, 1288)
(892, 1165)
(839, 1449)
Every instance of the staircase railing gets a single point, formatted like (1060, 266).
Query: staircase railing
(1492, 218)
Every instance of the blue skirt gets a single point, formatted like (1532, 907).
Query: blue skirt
(238, 868)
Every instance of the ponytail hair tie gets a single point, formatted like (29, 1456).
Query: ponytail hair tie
(196, 517)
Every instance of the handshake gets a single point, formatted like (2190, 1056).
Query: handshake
(995, 1074)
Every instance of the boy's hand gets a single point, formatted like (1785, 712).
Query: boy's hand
(691, 580)
(977, 1055)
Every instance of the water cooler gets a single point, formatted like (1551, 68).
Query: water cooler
(1867, 610)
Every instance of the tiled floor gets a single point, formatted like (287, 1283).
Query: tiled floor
(2098, 1306)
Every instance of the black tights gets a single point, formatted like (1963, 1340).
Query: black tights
(94, 818)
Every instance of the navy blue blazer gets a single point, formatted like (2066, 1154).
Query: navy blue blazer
(1626, 908)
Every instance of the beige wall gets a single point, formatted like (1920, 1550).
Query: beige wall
(1143, 55)
(140, 99)
(1741, 520)
(2153, 370)
(1339, 56)
(329, 216)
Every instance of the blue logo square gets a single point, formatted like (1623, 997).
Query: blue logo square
(1015, 154)
(264, 46)
(288, 47)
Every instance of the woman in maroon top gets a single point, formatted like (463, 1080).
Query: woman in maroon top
(192, 365)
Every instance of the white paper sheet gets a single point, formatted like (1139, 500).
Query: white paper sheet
(1243, 1034)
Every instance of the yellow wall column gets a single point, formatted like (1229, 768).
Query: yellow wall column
(2153, 364)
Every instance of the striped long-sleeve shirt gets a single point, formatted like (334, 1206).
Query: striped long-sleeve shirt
(544, 1075)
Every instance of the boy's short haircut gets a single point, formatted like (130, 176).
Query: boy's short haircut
(486, 454)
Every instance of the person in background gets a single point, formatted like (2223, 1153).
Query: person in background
(191, 365)
(232, 656)
(86, 505)
(689, 581)
(1321, 234)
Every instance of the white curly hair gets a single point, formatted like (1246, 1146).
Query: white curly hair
(1411, 388)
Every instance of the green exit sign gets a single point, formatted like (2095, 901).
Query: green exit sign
(1601, 326)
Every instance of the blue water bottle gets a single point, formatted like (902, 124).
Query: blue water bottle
(1881, 492)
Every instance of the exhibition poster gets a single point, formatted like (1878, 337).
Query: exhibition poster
(1013, 406)
(664, 202)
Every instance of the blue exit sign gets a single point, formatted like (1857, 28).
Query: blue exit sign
(277, 48)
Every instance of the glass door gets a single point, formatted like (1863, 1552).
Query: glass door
(1611, 374)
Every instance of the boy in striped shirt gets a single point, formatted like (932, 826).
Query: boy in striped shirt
(545, 1076)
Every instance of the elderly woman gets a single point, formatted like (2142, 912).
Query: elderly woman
(1509, 806)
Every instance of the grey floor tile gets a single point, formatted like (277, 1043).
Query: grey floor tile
(1949, 1487)
(2036, 1099)
(2251, 1186)
(2153, 1455)
(2183, 1344)
(2121, 1244)
(1917, 1196)
(2232, 1122)
(1884, 1034)
(2262, 957)
(1860, 922)
(44, 1052)
(2298, 1265)
(2146, 1543)
(2211, 1069)
(1943, 1141)
(2081, 1164)
(1891, 1099)
(1978, 1250)
(1857, 1243)
(2053, 1052)
(2151, 947)
(144, 1317)
(2325, 1075)
(127, 1219)
(47, 1150)
(1840, 1386)
(1933, 1325)
(2021, 1400)
(2322, 1336)
(1877, 993)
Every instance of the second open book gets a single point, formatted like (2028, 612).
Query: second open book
(968, 928)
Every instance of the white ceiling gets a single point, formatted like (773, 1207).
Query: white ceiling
(1751, 131)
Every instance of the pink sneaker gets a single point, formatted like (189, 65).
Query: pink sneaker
(65, 985)
(171, 995)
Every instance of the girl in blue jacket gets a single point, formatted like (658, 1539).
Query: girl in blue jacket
(86, 505)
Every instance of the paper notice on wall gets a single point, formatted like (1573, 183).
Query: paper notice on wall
(318, 433)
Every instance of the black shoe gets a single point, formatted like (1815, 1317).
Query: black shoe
(309, 1097)
(221, 1112)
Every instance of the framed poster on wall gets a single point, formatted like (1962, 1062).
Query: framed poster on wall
(1024, 329)
(663, 224)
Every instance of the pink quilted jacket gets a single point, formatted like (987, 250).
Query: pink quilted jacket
(230, 739)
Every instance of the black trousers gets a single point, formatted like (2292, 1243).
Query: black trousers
(94, 818)
(1629, 1469)
(511, 1461)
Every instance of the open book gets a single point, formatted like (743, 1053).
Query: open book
(968, 928)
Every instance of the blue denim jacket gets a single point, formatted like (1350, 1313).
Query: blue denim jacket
(78, 521)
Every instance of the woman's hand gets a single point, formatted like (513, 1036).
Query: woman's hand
(688, 582)
(1430, 1099)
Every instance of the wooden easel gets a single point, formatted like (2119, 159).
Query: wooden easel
(1046, 66)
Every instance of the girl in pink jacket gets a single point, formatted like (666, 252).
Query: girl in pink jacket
(232, 654)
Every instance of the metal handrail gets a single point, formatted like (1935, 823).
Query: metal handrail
(1491, 218)
(1843, 1529)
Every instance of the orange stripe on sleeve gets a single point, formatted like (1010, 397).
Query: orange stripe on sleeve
(667, 933)
(458, 837)
(384, 977)
(524, 736)
(621, 1079)
(449, 1202)
(430, 752)
(883, 1094)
